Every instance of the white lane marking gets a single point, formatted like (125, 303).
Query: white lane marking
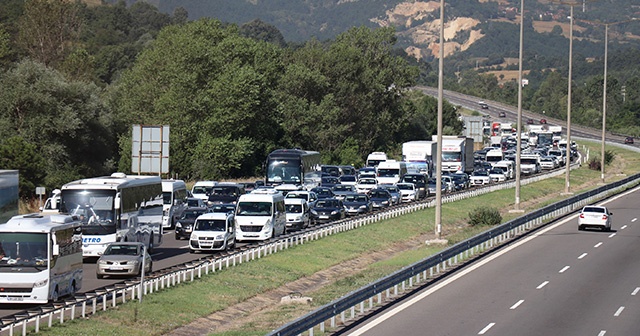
(564, 269)
(467, 270)
(582, 255)
(602, 332)
(486, 328)
(619, 311)
(612, 235)
(633, 220)
(623, 227)
(516, 304)
(636, 291)
(542, 285)
(597, 245)
(184, 247)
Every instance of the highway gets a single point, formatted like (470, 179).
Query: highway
(558, 281)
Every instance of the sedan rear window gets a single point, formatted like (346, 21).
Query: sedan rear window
(593, 209)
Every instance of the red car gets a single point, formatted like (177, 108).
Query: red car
(543, 121)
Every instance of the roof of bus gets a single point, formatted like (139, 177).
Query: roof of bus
(37, 223)
(114, 181)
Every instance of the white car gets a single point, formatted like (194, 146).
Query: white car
(497, 175)
(596, 217)
(548, 162)
(366, 184)
(408, 192)
(480, 177)
(449, 183)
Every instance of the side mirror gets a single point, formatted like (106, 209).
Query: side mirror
(116, 202)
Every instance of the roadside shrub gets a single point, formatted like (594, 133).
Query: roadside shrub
(484, 216)
(595, 162)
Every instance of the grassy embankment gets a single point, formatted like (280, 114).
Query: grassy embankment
(164, 311)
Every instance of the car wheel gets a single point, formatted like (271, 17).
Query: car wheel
(55, 295)
(150, 267)
(99, 276)
(192, 251)
(580, 228)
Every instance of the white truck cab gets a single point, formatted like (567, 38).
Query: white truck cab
(213, 231)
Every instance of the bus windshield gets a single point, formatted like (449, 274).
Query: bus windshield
(23, 252)
(283, 171)
(94, 207)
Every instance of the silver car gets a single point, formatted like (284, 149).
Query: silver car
(123, 259)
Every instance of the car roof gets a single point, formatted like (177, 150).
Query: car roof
(294, 201)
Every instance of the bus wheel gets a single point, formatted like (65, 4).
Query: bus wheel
(55, 296)
(72, 290)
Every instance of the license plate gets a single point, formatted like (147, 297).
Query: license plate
(116, 268)
(324, 217)
(12, 298)
(188, 230)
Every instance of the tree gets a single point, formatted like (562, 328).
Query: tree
(262, 31)
(66, 120)
(16, 153)
(214, 88)
(49, 29)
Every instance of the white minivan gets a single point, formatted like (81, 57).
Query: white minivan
(212, 231)
(298, 213)
(260, 215)
(174, 197)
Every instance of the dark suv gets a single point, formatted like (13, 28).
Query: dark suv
(628, 140)
(420, 181)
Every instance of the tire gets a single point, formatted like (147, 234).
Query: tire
(580, 228)
(150, 267)
(73, 289)
(56, 295)
(99, 276)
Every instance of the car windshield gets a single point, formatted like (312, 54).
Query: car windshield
(223, 208)
(480, 173)
(342, 188)
(116, 249)
(191, 214)
(405, 186)
(193, 202)
(367, 181)
(298, 195)
(327, 204)
(379, 194)
(593, 209)
(294, 208)
(355, 198)
(210, 225)
(348, 178)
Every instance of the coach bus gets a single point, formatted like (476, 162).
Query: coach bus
(292, 167)
(116, 208)
(40, 258)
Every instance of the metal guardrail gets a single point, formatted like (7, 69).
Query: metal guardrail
(88, 304)
(422, 271)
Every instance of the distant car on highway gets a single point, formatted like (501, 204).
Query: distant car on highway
(595, 216)
(501, 114)
(543, 121)
(628, 140)
(483, 105)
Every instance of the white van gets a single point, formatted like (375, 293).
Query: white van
(390, 171)
(214, 231)
(260, 215)
(174, 201)
(202, 189)
(298, 213)
(508, 166)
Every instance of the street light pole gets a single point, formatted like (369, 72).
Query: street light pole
(604, 99)
(438, 221)
(568, 165)
(519, 121)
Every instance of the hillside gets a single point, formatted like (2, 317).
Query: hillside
(417, 22)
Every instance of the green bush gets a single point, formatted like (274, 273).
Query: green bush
(484, 216)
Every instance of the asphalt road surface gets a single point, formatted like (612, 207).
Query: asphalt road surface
(559, 281)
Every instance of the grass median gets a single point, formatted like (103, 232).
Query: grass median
(389, 240)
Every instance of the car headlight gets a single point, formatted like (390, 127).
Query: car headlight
(178, 225)
(194, 236)
(385, 202)
(220, 237)
(41, 283)
(334, 212)
(314, 212)
(363, 207)
(102, 262)
(267, 225)
(297, 218)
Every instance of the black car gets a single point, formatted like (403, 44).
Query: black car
(331, 170)
(357, 204)
(380, 198)
(461, 180)
(329, 181)
(628, 140)
(328, 209)
(184, 225)
(226, 193)
(323, 192)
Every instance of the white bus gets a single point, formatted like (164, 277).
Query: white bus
(40, 258)
(116, 208)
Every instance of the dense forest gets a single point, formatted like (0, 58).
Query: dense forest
(76, 77)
